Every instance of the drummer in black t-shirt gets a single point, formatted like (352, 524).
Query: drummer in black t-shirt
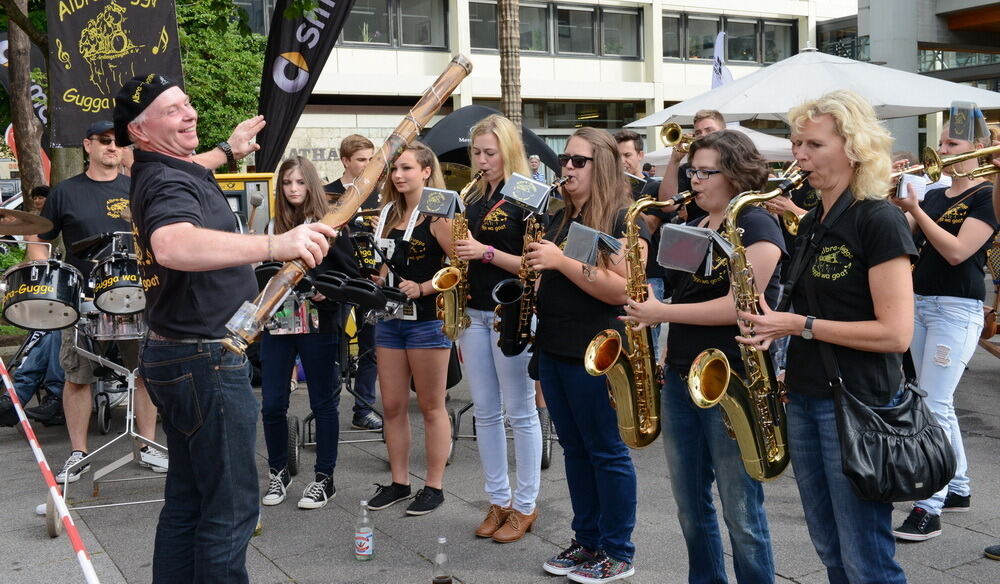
(702, 315)
(675, 179)
(413, 347)
(575, 303)
(861, 278)
(953, 229)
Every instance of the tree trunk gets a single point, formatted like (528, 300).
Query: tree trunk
(509, 23)
(27, 129)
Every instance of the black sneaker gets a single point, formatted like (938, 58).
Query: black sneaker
(955, 503)
(74, 475)
(388, 495)
(427, 500)
(49, 412)
(318, 493)
(277, 483)
(992, 552)
(919, 526)
(369, 421)
(8, 415)
(569, 559)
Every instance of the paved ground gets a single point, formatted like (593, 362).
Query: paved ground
(316, 546)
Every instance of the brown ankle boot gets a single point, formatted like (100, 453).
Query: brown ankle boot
(516, 526)
(495, 517)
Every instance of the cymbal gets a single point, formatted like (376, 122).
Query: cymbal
(22, 223)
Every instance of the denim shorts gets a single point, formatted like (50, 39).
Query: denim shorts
(411, 334)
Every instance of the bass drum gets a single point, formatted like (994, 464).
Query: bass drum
(101, 326)
(42, 295)
(117, 285)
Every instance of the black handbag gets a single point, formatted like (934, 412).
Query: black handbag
(888, 453)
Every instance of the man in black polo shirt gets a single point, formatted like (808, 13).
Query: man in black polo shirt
(675, 178)
(196, 275)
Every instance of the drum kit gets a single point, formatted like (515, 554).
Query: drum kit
(51, 295)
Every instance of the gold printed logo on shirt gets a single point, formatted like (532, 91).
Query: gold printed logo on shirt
(833, 262)
(418, 250)
(955, 215)
(116, 207)
(720, 270)
(495, 221)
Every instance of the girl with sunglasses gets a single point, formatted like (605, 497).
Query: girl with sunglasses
(575, 302)
(499, 383)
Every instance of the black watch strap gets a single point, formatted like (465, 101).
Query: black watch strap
(230, 159)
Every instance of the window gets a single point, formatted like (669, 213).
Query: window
(534, 28)
(779, 41)
(575, 30)
(620, 33)
(701, 33)
(483, 25)
(672, 36)
(368, 22)
(741, 40)
(422, 23)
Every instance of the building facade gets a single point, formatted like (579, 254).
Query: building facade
(601, 63)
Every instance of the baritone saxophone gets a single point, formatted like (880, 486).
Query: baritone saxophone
(452, 281)
(632, 371)
(751, 405)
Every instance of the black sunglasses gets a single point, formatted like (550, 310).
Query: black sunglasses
(106, 140)
(578, 161)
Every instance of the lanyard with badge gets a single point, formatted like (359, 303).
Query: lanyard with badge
(386, 247)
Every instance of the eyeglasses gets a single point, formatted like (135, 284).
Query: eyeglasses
(701, 173)
(578, 161)
(106, 140)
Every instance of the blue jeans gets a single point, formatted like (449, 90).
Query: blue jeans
(599, 471)
(501, 384)
(318, 352)
(700, 451)
(852, 537)
(410, 334)
(209, 416)
(364, 382)
(40, 369)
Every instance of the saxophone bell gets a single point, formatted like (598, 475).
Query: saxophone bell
(508, 291)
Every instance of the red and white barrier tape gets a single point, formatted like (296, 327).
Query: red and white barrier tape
(71, 532)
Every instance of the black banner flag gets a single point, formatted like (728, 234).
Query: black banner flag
(94, 48)
(297, 50)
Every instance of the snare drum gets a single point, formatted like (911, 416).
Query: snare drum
(102, 326)
(42, 295)
(117, 285)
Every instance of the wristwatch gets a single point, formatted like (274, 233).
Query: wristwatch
(228, 150)
(807, 332)
(488, 255)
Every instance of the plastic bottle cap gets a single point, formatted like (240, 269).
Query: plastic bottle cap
(442, 540)
(364, 503)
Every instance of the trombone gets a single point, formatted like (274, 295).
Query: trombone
(672, 136)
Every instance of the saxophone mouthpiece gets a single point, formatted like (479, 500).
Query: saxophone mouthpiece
(683, 198)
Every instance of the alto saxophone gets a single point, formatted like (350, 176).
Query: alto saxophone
(752, 407)
(633, 373)
(515, 297)
(452, 282)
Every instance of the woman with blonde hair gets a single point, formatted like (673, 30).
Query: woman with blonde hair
(499, 383)
(860, 278)
(413, 346)
(575, 302)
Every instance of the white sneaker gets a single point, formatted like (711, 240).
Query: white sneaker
(276, 486)
(153, 458)
(73, 476)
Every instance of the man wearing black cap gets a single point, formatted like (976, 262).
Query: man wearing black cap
(80, 207)
(196, 273)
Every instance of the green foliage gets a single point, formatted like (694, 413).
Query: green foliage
(13, 255)
(222, 69)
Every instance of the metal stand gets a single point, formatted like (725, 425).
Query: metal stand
(455, 416)
(129, 433)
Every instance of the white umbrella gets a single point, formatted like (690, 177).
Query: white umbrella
(770, 147)
(769, 93)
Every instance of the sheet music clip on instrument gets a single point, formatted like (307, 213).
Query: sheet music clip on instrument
(686, 248)
(583, 244)
(440, 203)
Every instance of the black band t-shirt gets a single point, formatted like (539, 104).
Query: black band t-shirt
(568, 317)
(81, 207)
(179, 304)
(805, 197)
(933, 275)
(686, 341)
(418, 260)
(867, 234)
(493, 221)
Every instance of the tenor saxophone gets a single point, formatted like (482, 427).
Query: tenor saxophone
(515, 297)
(751, 405)
(452, 281)
(632, 371)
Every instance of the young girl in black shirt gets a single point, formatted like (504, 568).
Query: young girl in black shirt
(953, 228)
(499, 384)
(575, 302)
(413, 346)
(702, 314)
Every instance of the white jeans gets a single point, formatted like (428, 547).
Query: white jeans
(499, 383)
(946, 330)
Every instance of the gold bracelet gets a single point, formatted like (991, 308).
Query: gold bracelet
(270, 252)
